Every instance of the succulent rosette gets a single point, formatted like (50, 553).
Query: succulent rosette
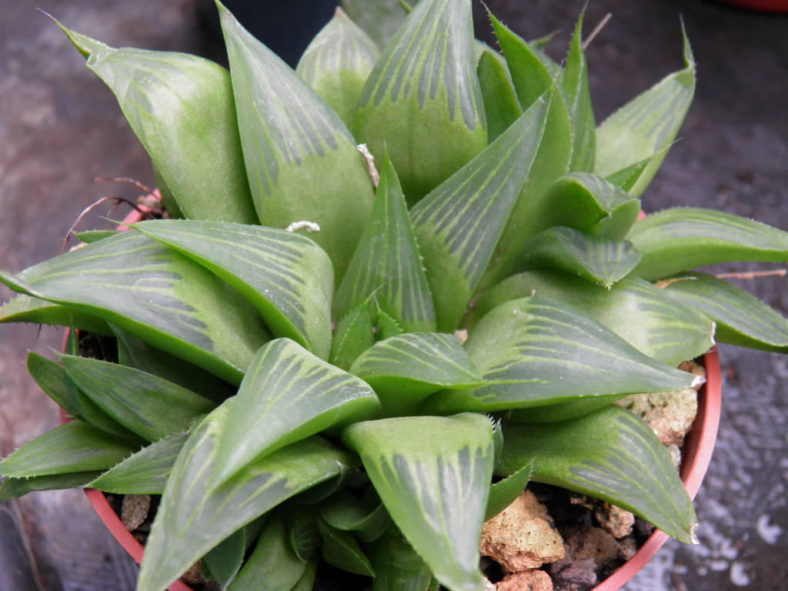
(289, 367)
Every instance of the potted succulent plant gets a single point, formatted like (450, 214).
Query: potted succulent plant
(407, 281)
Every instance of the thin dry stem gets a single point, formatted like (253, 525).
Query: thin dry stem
(369, 161)
(90, 208)
(597, 30)
(122, 179)
(752, 274)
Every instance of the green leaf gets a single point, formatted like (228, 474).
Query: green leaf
(500, 101)
(647, 125)
(742, 319)
(287, 395)
(578, 100)
(387, 326)
(337, 62)
(301, 160)
(90, 236)
(563, 411)
(540, 43)
(344, 512)
(302, 534)
(635, 310)
(497, 440)
(361, 512)
(181, 108)
(272, 566)
(533, 75)
(225, 560)
(145, 404)
(626, 178)
(553, 151)
(156, 294)
(506, 490)
(603, 455)
(433, 475)
(353, 337)
(287, 277)
(307, 580)
(537, 351)
(379, 18)
(405, 369)
(374, 526)
(168, 201)
(144, 472)
(530, 75)
(587, 203)
(55, 383)
(387, 263)
(674, 240)
(479, 48)
(366, 516)
(136, 353)
(341, 549)
(459, 223)
(423, 95)
(192, 518)
(599, 260)
(397, 565)
(13, 488)
(72, 447)
(576, 200)
(24, 308)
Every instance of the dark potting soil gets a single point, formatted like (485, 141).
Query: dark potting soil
(97, 346)
(580, 575)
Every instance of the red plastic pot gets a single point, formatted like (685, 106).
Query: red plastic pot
(760, 5)
(696, 455)
(697, 450)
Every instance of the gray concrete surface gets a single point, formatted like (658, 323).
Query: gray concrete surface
(59, 127)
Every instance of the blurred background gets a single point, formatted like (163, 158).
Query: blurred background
(60, 128)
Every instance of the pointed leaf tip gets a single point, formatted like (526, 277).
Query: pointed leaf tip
(459, 223)
(285, 276)
(674, 240)
(405, 369)
(538, 351)
(85, 45)
(425, 82)
(287, 395)
(602, 454)
(433, 474)
(181, 109)
(689, 56)
(645, 126)
(301, 160)
(596, 259)
(192, 518)
(387, 262)
(153, 294)
(337, 62)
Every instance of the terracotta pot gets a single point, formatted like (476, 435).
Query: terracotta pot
(696, 455)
